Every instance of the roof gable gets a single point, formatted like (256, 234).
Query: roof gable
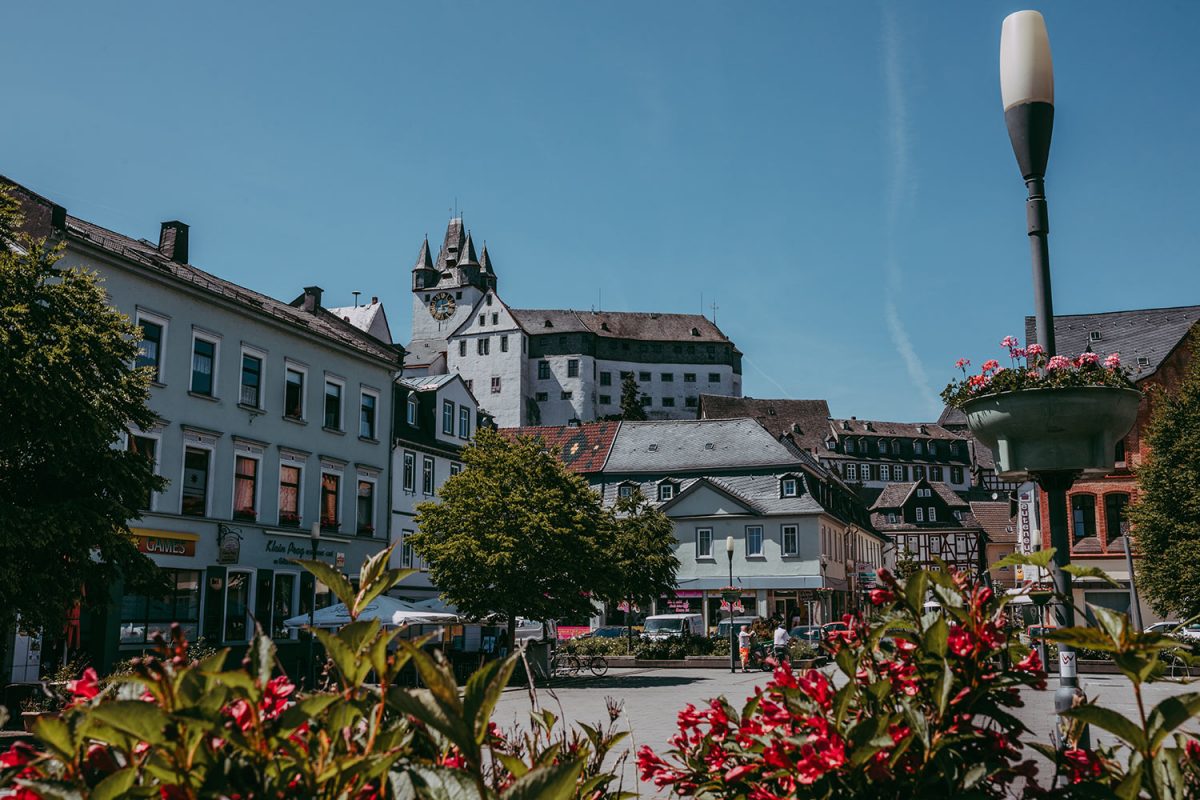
(707, 498)
(806, 422)
(1149, 333)
(677, 446)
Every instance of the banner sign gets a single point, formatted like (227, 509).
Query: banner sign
(1025, 530)
(164, 543)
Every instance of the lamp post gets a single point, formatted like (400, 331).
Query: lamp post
(1027, 91)
(315, 537)
(732, 632)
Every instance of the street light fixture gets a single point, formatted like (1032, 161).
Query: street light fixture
(732, 632)
(315, 537)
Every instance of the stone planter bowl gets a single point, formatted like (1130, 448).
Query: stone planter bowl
(1053, 430)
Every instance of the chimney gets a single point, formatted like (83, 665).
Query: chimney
(312, 298)
(374, 300)
(173, 241)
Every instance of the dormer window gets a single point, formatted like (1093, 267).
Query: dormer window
(548, 324)
(883, 446)
(788, 487)
(891, 518)
(918, 447)
(831, 443)
(666, 491)
(850, 446)
(412, 411)
(920, 514)
(1094, 336)
(625, 490)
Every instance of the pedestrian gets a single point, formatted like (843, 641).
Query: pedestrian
(744, 647)
(781, 641)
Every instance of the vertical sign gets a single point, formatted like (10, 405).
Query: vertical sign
(1024, 528)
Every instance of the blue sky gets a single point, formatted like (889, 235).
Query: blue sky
(836, 176)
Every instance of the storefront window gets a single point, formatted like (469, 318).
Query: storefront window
(141, 616)
(284, 605)
(237, 607)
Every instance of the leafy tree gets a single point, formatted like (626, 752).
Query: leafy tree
(66, 486)
(515, 533)
(642, 559)
(631, 400)
(1166, 515)
(906, 565)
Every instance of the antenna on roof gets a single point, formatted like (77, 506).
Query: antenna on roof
(356, 294)
(714, 310)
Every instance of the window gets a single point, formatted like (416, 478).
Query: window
(1119, 453)
(504, 343)
(852, 472)
(410, 414)
(689, 377)
(956, 474)
(251, 394)
(690, 402)
(366, 508)
(850, 446)
(1114, 515)
(646, 400)
(487, 299)
(954, 448)
(920, 514)
(891, 517)
(470, 385)
(885, 472)
(464, 422)
(883, 446)
(331, 488)
(572, 367)
(495, 384)
(567, 395)
(625, 490)
(668, 402)
(204, 360)
(924, 492)
(237, 606)
(918, 447)
(483, 345)
(543, 370)
(932, 448)
(790, 540)
(483, 319)
(754, 540)
(283, 604)
(606, 379)
(145, 447)
(918, 472)
(864, 472)
(714, 377)
(333, 405)
(606, 399)
(427, 475)
(495, 318)
(289, 495)
(643, 376)
(410, 472)
(195, 482)
(668, 377)
(293, 394)
(448, 417)
(704, 543)
(1083, 515)
(462, 348)
(936, 474)
(406, 551)
(625, 375)
(666, 491)
(366, 415)
(142, 616)
(899, 472)
(150, 350)
(541, 397)
(788, 487)
(245, 488)
(455, 469)
(932, 515)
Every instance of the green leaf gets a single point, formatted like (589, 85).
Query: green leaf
(329, 576)
(914, 591)
(1112, 721)
(483, 692)
(1038, 558)
(1169, 714)
(554, 782)
(115, 785)
(1138, 667)
(935, 637)
(345, 659)
(1089, 638)
(1080, 571)
(441, 783)
(146, 721)
(262, 657)
(1115, 624)
(421, 704)
(944, 687)
(56, 733)
(308, 708)
(358, 633)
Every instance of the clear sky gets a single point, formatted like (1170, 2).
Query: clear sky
(836, 176)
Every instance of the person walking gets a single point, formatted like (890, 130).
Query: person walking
(744, 647)
(781, 642)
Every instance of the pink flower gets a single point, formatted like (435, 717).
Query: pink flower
(962, 362)
(990, 365)
(1018, 352)
(1035, 349)
(1088, 359)
(1059, 362)
(1009, 341)
(85, 688)
(881, 596)
(1113, 361)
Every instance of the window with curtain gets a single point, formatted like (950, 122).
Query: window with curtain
(289, 495)
(245, 488)
(293, 394)
(330, 487)
(204, 355)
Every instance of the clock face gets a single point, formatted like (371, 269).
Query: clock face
(441, 306)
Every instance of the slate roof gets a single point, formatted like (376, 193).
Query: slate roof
(807, 421)
(1150, 333)
(895, 494)
(637, 325)
(758, 493)
(425, 383)
(678, 446)
(910, 430)
(582, 448)
(365, 317)
(995, 517)
(323, 323)
(423, 352)
(451, 245)
(953, 418)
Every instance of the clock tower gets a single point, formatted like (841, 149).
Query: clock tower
(445, 291)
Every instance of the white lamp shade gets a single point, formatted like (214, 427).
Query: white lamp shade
(728, 544)
(1026, 72)
(316, 530)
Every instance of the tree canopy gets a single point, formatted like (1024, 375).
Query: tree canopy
(515, 533)
(642, 558)
(68, 395)
(631, 400)
(1166, 514)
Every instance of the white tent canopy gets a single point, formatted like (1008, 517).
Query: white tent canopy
(388, 610)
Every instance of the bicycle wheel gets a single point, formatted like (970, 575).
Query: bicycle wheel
(598, 665)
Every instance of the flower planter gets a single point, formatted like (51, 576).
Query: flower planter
(30, 718)
(1053, 430)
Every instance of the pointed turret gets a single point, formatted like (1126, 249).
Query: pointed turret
(467, 254)
(424, 275)
(451, 245)
(485, 268)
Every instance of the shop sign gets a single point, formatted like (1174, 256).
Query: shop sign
(679, 605)
(229, 545)
(285, 552)
(1025, 537)
(164, 543)
(689, 593)
(340, 560)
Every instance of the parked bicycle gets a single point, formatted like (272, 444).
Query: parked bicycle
(596, 664)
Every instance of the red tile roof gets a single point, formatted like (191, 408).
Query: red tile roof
(583, 448)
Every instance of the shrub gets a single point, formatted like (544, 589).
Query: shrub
(598, 647)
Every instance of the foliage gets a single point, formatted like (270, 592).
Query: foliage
(68, 394)
(906, 565)
(515, 533)
(594, 646)
(179, 730)
(1166, 513)
(642, 556)
(631, 400)
(1031, 368)
(52, 694)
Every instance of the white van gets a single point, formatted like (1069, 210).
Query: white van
(665, 626)
(534, 629)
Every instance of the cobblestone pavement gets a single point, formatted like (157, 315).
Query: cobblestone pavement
(652, 697)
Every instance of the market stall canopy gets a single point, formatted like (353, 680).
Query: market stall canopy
(387, 610)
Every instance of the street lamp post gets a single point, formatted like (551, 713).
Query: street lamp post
(732, 632)
(315, 537)
(1027, 91)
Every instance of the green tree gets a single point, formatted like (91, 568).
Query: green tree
(67, 488)
(642, 561)
(516, 533)
(1166, 515)
(906, 565)
(631, 400)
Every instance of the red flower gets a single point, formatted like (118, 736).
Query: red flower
(990, 365)
(737, 772)
(172, 792)
(1083, 765)
(881, 596)
(85, 688)
(960, 641)
(818, 688)
(1193, 749)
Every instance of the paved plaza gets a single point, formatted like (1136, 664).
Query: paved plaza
(652, 697)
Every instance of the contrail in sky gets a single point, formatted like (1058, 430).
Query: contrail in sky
(901, 191)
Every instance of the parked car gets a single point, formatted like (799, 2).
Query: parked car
(664, 626)
(606, 632)
(830, 627)
(806, 633)
(1163, 627)
(533, 629)
(738, 622)
(1035, 633)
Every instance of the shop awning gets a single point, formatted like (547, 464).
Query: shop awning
(388, 610)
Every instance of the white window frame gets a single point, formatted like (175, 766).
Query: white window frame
(931, 515)
(198, 441)
(784, 530)
(252, 588)
(885, 472)
(373, 479)
(294, 460)
(157, 465)
(852, 472)
(411, 409)
(448, 420)
(261, 355)
(163, 322)
(341, 383)
(215, 340)
(242, 449)
(625, 490)
(340, 472)
(292, 633)
(758, 552)
(496, 385)
(789, 487)
(365, 392)
(407, 557)
(410, 487)
(700, 556)
(455, 468)
(920, 514)
(666, 491)
(464, 421)
(429, 488)
(303, 370)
